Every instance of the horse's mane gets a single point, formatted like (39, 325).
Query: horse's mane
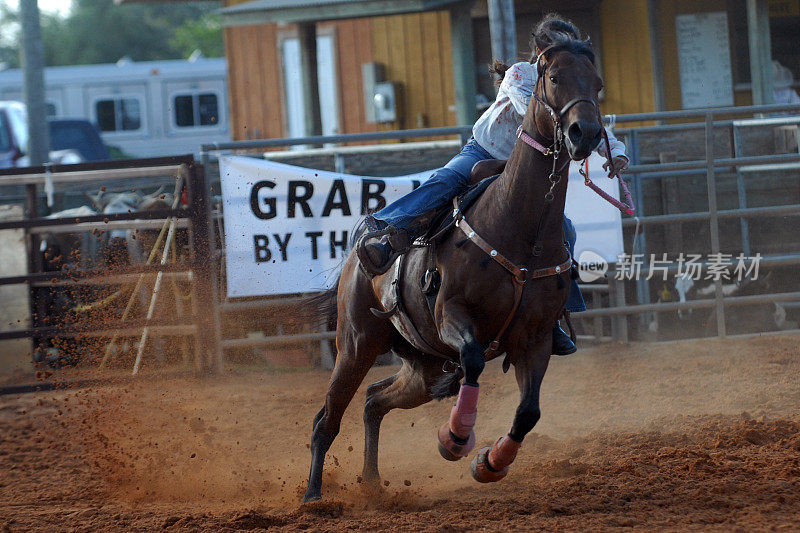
(556, 41)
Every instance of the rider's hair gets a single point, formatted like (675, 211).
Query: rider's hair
(552, 29)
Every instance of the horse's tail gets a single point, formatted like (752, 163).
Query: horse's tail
(447, 385)
(324, 305)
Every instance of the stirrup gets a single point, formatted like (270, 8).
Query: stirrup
(399, 240)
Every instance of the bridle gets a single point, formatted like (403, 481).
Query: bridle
(558, 139)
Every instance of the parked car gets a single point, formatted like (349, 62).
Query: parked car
(14, 139)
(80, 135)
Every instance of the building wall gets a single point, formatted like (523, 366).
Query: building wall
(414, 48)
(626, 57)
(416, 51)
(256, 79)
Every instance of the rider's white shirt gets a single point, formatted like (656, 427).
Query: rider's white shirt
(496, 129)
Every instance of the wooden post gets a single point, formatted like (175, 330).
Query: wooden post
(461, 43)
(503, 30)
(33, 83)
(307, 35)
(208, 354)
(759, 41)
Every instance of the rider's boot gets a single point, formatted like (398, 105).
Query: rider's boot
(380, 253)
(562, 344)
(378, 250)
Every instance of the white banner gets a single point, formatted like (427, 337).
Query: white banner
(287, 228)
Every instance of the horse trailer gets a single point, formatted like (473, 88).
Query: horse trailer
(145, 109)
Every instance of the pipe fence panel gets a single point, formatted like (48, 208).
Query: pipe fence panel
(717, 139)
(73, 294)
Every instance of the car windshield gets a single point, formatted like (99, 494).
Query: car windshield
(77, 135)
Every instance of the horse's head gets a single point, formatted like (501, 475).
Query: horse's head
(564, 106)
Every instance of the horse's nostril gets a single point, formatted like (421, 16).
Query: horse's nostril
(575, 133)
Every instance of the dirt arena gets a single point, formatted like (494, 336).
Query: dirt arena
(694, 435)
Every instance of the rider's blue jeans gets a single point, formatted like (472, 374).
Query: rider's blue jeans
(443, 186)
(438, 190)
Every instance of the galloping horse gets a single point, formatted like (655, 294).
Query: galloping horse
(505, 295)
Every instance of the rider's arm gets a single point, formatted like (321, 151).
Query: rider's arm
(518, 84)
(617, 146)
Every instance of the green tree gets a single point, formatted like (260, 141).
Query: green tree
(100, 31)
(204, 34)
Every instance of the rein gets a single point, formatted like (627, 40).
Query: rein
(627, 208)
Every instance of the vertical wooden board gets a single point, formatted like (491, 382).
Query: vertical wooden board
(645, 64)
(363, 38)
(233, 114)
(431, 61)
(254, 70)
(380, 42)
(239, 92)
(614, 58)
(417, 86)
(262, 79)
(626, 57)
(446, 60)
(249, 84)
(345, 58)
(268, 96)
(399, 66)
(380, 50)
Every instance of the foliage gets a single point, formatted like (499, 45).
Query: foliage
(100, 31)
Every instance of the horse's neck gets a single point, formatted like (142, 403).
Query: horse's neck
(519, 199)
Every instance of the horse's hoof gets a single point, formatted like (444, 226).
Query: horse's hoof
(451, 447)
(310, 498)
(482, 471)
(444, 452)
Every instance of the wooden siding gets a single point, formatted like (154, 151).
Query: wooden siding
(354, 47)
(255, 82)
(416, 52)
(255, 78)
(627, 63)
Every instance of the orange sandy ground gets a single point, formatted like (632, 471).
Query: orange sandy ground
(694, 435)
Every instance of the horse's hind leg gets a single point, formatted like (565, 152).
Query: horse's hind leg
(361, 337)
(407, 389)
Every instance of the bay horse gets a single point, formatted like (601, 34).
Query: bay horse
(483, 293)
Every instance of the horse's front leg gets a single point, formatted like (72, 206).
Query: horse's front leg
(491, 463)
(456, 437)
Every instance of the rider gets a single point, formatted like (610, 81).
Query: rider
(493, 137)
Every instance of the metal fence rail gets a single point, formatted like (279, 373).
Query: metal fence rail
(729, 117)
(195, 216)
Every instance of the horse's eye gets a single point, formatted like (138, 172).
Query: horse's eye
(553, 80)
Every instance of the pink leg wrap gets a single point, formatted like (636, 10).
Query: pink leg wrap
(503, 452)
(465, 411)
(462, 420)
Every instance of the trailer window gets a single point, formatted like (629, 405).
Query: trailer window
(118, 114)
(198, 109)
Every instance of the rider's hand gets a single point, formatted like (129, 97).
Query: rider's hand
(617, 165)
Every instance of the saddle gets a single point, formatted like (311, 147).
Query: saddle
(443, 220)
(482, 175)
